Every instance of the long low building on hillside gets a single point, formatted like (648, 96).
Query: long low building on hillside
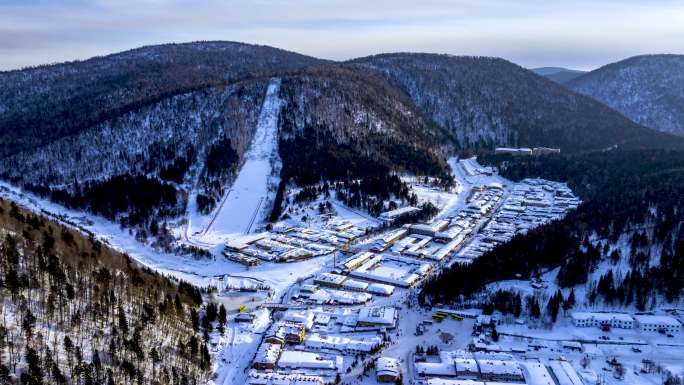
(658, 323)
(392, 215)
(644, 322)
(614, 320)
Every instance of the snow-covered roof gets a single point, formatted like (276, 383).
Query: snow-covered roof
(261, 378)
(387, 365)
(663, 320)
(303, 318)
(384, 315)
(268, 353)
(380, 288)
(334, 279)
(536, 374)
(301, 359)
(565, 373)
(430, 228)
(398, 212)
(339, 296)
(354, 284)
(465, 365)
(499, 367)
(444, 368)
(446, 381)
(602, 316)
(343, 343)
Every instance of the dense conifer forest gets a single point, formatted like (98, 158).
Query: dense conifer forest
(76, 312)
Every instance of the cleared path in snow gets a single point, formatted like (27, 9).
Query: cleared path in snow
(245, 204)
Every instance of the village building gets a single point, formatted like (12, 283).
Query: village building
(387, 369)
(466, 368)
(603, 320)
(295, 359)
(385, 316)
(658, 323)
(393, 215)
(500, 370)
(330, 280)
(380, 289)
(256, 378)
(267, 356)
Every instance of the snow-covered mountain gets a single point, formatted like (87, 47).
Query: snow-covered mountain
(164, 128)
(489, 101)
(648, 89)
(41, 104)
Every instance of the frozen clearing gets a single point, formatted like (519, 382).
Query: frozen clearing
(248, 201)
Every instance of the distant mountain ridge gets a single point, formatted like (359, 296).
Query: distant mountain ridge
(558, 74)
(648, 89)
(487, 102)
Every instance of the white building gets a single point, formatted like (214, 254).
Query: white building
(500, 370)
(657, 323)
(294, 359)
(380, 289)
(343, 344)
(564, 373)
(537, 374)
(513, 151)
(378, 316)
(387, 369)
(614, 320)
(466, 368)
(267, 356)
(392, 215)
(256, 378)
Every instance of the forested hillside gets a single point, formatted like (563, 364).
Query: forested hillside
(39, 105)
(190, 141)
(76, 312)
(489, 101)
(648, 89)
(352, 125)
(630, 222)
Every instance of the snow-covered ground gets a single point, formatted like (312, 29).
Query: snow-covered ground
(201, 272)
(234, 350)
(247, 203)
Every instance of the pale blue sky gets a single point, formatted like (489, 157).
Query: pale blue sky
(580, 34)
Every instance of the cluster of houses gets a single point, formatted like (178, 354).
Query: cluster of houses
(331, 318)
(644, 322)
(289, 243)
(531, 203)
(461, 367)
(314, 342)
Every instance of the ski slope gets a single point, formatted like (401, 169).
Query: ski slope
(249, 200)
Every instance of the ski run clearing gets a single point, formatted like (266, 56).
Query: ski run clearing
(247, 203)
(345, 299)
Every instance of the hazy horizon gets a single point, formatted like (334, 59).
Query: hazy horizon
(579, 35)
